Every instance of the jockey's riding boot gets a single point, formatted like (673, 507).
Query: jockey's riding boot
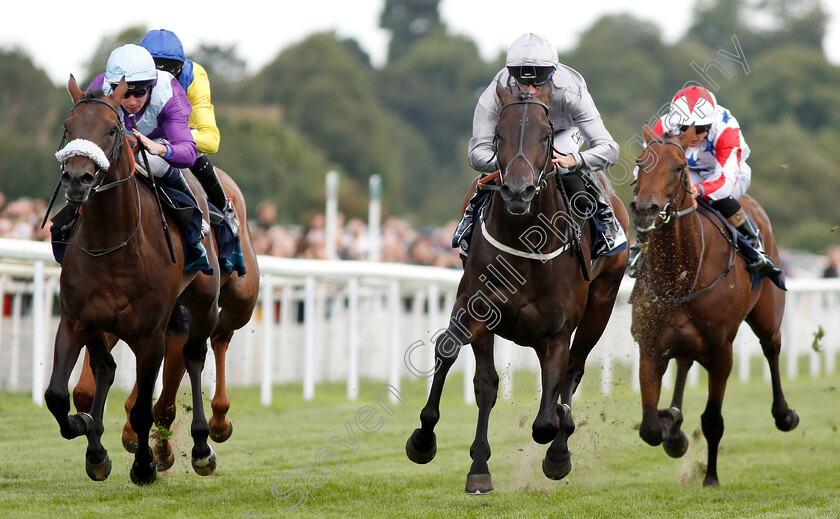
(180, 183)
(763, 263)
(613, 233)
(464, 231)
(634, 261)
(206, 174)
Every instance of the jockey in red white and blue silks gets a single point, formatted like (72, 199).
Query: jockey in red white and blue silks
(717, 162)
(718, 165)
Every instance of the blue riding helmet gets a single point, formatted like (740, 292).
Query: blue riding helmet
(164, 44)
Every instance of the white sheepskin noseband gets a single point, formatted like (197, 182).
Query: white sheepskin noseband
(85, 148)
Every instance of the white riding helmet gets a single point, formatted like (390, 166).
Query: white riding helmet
(693, 105)
(131, 61)
(531, 59)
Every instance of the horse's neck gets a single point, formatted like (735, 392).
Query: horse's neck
(675, 252)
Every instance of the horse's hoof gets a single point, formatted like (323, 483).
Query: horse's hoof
(711, 482)
(128, 445)
(478, 484)
(221, 437)
(415, 451)
(164, 457)
(559, 469)
(98, 471)
(143, 477)
(788, 422)
(205, 466)
(676, 447)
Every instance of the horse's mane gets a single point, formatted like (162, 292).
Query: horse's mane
(94, 94)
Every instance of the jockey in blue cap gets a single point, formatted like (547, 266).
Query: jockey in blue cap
(168, 53)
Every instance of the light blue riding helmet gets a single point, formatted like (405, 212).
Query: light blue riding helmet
(132, 62)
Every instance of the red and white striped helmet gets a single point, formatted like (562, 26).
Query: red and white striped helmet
(693, 105)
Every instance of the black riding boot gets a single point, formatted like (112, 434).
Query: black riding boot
(764, 263)
(589, 201)
(463, 233)
(180, 183)
(206, 174)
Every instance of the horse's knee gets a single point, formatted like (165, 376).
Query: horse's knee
(58, 402)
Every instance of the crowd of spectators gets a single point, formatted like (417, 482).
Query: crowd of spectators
(400, 242)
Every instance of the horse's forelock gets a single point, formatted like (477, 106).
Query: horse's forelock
(94, 94)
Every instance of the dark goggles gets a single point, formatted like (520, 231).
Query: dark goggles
(529, 75)
(173, 66)
(137, 89)
(698, 130)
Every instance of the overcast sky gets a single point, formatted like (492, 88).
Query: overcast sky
(61, 36)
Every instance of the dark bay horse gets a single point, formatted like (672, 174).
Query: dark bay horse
(117, 278)
(692, 295)
(522, 282)
(237, 300)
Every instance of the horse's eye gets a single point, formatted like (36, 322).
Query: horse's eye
(113, 131)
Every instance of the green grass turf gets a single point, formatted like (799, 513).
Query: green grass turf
(763, 472)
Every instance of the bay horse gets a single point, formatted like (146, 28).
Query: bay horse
(533, 294)
(117, 278)
(237, 300)
(691, 297)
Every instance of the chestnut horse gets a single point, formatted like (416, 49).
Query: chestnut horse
(117, 278)
(691, 297)
(237, 300)
(522, 282)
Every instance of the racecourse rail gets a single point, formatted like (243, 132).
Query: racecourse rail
(340, 321)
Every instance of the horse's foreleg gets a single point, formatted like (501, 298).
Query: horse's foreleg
(554, 421)
(85, 387)
(651, 369)
(486, 384)
(220, 425)
(675, 442)
(97, 462)
(421, 446)
(195, 351)
(149, 354)
(712, 419)
(173, 372)
(68, 345)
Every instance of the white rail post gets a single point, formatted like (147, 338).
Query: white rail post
(14, 365)
(353, 339)
(394, 343)
(374, 215)
(309, 326)
(38, 335)
(331, 216)
(267, 313)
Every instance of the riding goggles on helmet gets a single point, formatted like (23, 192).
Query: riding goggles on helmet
(530, 75)
(173, 66)
(135, 88)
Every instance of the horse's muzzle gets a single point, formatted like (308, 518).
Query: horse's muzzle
(644, 215)
(77, 186)
(518, 197)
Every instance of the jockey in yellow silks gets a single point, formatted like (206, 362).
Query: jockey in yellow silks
(168, 53)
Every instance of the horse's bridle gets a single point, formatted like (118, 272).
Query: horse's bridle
(113, 161)
(666, 215)
(115, 149)
(539, 180)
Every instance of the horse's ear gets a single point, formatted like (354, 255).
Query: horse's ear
(75, 92)
(686, 136)
(119, 92)
(504, 96)
(649, 134)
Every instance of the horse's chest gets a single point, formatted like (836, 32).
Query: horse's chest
(115, 304)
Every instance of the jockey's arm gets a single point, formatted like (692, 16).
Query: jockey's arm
(727, 166)
(173, 122)
(603, 150)
(481, 152)
(203, 116)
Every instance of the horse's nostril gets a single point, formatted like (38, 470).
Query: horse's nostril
(86, 179)
(505, 191)
(530, 191)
